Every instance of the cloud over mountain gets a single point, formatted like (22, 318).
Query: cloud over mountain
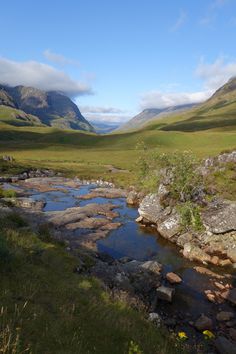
(41, 76)
(213, 76)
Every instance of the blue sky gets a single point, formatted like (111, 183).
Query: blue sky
(117, 57)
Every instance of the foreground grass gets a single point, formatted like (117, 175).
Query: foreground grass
(47, 308)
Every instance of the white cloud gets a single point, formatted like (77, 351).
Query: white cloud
(100, 109)
(217, 73)
(59, 58)
(108, 118)
(179, 22)
(213, 76)
(41, 76)
(158, 99)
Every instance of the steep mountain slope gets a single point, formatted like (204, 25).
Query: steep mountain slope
(218, 112)
(51, 108)
(150, 113)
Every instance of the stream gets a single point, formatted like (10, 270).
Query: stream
(140, 243)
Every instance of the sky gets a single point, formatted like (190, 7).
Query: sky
(115, 58)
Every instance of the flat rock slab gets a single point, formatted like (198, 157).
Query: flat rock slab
(220, 218)
(108, 193)
(47, 184)
(77, 214)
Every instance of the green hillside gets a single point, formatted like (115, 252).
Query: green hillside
(218, 112)
(16, 117)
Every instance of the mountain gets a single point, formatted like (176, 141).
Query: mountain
(218, 112)
(104, 127)
(41, 108)
(148, 114)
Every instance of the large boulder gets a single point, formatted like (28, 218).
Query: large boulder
(169, 227)
(151, 209)
(220, 218)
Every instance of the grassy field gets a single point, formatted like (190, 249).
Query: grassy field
(47, 308)
(90, 155)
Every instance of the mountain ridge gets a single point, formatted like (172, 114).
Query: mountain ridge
(148, 114)
(52, 108)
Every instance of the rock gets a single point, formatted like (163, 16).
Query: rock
(224, 316)
(220, 218)
(230, 295)
(170, 227)
(151, 209)
(173, 278)
(7, 158)
(163, 193)
(152, 266)
(194, 252)
(224, 346)
(125, 259)
(109, 193)
(28, 203)
(210, 296)
(225, 262)
(232, 333)
(184, 238)
(155, 318)
(231, 253)
(139, 219)
(165, 293)
(219, 285)
(132, 198)
(215, 260)
(208, 272)
(203, 322)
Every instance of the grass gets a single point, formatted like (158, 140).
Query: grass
(47, 308)
(89, 155)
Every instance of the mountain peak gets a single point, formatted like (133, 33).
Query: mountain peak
(51, 107)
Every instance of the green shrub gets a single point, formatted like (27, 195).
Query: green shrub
(178, 168)
(190, 216)
(7, 193)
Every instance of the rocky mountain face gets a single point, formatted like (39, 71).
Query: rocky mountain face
(52, 108)
(150, 113)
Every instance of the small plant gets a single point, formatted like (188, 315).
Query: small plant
(134, 348)
(190, 216)
(7, 193)
(182, 336)
(208, 334)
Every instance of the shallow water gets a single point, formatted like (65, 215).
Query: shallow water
(140, 243)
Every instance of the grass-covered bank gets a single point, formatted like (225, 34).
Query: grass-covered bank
(47, 308)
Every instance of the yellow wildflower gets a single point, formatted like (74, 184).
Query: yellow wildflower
(182, 335)
(208, 334)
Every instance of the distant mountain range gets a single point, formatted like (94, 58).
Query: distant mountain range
(104, 127)
(22, 105)
(148, 114)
